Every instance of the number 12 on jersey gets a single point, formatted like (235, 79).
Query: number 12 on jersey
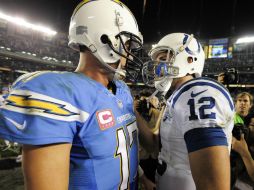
(204, 111)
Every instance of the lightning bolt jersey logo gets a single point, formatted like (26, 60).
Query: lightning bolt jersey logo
(32, 103)
(45, 106)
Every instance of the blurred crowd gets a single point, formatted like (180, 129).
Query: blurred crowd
(54, 47)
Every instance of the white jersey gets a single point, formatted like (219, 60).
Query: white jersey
(198, 115)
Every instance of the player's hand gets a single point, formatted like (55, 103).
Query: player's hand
(147, 184)
(135, 104)
(240, 146)
(221, 78)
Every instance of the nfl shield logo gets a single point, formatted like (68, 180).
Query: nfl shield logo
(120, 104)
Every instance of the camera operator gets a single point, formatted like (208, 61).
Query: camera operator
(143, 105)
(231, 76)
(230, 79)
(221, 77)
(243, 103)
(249, 120)
(149, 108)
(245, 148)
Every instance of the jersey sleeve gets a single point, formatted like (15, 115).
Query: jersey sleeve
(40, 110)
(205, 112)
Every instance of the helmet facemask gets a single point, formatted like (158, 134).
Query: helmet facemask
(161, 67)
(129, 44)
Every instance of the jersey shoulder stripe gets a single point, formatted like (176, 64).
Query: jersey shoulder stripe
(199, 138)
(33, 76)
(202, 81)
(32, 103)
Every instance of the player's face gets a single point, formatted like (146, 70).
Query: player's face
(117, 65)
(243, 105)
(5, 92)
(166, 57)
(162, 56)
(123, 60)
(162, 63)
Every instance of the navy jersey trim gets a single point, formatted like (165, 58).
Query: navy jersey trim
(204, 83)
(200, 138)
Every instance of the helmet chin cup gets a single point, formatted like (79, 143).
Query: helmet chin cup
(119, 74)
(156, 72)
(163, 85)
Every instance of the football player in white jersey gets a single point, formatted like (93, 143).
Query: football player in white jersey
(195, 130)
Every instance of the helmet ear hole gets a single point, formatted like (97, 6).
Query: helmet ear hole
(190, 60)
(105, 39)
(195, 59)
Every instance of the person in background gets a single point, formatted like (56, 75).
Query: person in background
(241, 147)
(154, 113)
(243, 152)
(196, 127)
(145, 183)
(78, 129)
(148, 160)
(4, 93)
(220, 78)
(243, 104)
(249, 121)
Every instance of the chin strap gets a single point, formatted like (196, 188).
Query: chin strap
(162, 87)
(119, 73)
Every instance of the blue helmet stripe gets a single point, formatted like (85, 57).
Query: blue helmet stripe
(187, 49)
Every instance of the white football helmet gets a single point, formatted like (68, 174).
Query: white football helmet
(183, 55)
(109, 30)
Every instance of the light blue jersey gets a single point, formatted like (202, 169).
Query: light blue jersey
(63, 107)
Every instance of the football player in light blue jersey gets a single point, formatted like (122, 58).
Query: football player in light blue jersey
(196, 126)
(76, 132)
